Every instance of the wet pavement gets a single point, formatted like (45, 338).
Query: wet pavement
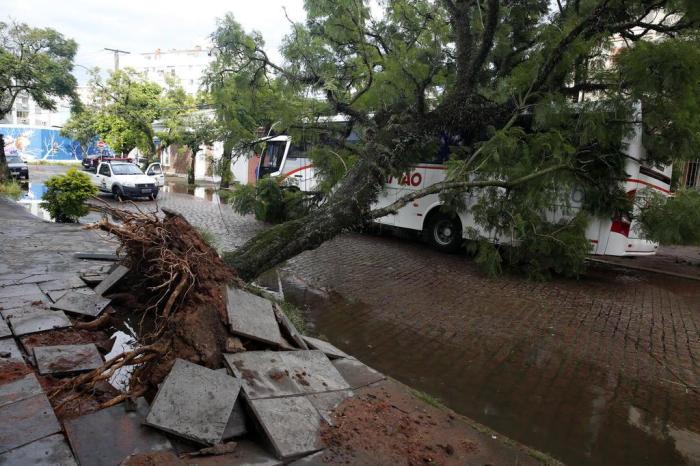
(601, 370)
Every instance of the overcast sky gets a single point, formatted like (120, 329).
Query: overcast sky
(144, 25)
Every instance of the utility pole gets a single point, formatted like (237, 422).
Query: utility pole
(116, 56)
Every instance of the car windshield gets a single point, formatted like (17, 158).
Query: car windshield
(14, 159)
(126, 169)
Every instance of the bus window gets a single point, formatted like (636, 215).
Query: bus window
(272, 157)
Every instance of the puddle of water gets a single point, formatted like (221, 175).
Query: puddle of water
(208, 193)
(587, 418)
(31, 199)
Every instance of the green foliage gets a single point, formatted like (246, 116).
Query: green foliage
(674, 220)
(208, 237)
(269, 201)
(295, 315)
(36, 61)
(10, 189)
(66, 196)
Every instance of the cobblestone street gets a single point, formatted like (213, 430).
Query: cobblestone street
(600, 370)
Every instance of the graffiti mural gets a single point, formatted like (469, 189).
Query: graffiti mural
(41, 143)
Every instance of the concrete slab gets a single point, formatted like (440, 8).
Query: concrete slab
(356, 373)
(264, 374)
(9, 351)
(108, 436)
(48, 451)
(58, 294)
(252, 316)
(38, 321)
(20, 389)
(63, 283)
(26, 421)
(111, 280)
(236, 425)
(81, 303)
(326, 403)
(4, 328)
(315, 459)
(289, 329)
(93, 279)
(313, 372)
(196, 411)
(247, 453)
(328, 349)
(8, 312)
(19, 290)
(41, 277)
(33, 299)
(291, 423)
(67, 358)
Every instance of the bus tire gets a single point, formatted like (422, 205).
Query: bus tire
(443, 232)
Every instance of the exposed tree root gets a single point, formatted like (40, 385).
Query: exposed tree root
(182, 280)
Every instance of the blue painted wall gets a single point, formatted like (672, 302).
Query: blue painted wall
(41, 143)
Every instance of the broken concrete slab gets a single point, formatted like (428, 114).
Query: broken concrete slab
(196, 411)
(291, 423)
(20, 389)
(58, 294)
(65, 359)
(64, 283)
(8, 312)
(9, 351)
(19, 290)
(252, 316)
(34, 299)
(80, 303)
(236, 425)
(93, 279)
(48, 451)
(247, 453)
(289, 329)
(326, 403)
(356, 373)
(315, 459)
(312, 371)
(38, 321)
(4, 329)
(329, 350)
(107, 436)
(264, 374)
(26, 421)
(111, 280)
(97, 256)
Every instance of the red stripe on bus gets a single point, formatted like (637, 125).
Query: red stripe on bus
(286, 175)
(635, 180)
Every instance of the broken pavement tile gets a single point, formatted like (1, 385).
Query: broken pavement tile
(356, 373)
(247, 453)
(81, 303)
(315, 459)
(326, 403)
(263, 374)
(291, 423)
(25, 421)
(289, 328)
(34, 299)
(196, 411)
(38, 321)
(58, 294)
(111, 280)
(19, 389)
(8, 312)
(64, 283)
(93, 279)
(48, 451)
(108, 436)
(252, 316)
(329, 350)
(13, 291)
(67, 358)
(312, 371)
(9, 351)
(4, 329)
(236, 426)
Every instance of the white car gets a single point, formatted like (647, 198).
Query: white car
(124, 179)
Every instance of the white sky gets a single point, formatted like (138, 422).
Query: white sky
(143, 25)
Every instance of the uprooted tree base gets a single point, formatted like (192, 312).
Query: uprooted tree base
(181, 279)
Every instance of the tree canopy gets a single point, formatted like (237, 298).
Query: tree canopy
(531, 98)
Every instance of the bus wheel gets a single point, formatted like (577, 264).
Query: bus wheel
(443, 232)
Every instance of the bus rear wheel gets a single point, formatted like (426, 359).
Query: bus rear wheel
(443, 232)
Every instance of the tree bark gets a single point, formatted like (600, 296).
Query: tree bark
(226, 175)
(4, 168)
(193, 162)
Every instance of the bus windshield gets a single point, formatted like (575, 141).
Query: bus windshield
(272, 157)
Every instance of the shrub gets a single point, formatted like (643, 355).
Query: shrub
(11, 189)
(66, 195)
(269, 201)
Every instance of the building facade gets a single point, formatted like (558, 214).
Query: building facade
(188, 66)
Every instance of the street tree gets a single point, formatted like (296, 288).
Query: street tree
(195, 130)
(37, 62)
(530, 99)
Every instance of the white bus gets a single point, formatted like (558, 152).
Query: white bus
(617, 237)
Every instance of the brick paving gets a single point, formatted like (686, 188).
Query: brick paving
(601, 370)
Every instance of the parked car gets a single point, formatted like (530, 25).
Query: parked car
(18, 167)
(124, 180)
(91, 162)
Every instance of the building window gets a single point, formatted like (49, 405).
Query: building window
(691, 174)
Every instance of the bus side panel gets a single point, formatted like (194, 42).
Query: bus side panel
(410, 216)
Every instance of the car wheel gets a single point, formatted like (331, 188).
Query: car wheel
(117, 193)
(443, 232)
(154, 196)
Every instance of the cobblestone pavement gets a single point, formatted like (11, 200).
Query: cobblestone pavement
(601, 370)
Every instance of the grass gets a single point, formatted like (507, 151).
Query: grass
(294, 314)
(208, 237)
(429, 399)
(11, 189)
(53, 162)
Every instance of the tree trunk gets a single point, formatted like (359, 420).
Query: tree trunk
(4, 169)
(193, 162)
(226, 175)
(346, 208)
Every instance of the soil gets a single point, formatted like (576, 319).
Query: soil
(12, 370)
(68, 336)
